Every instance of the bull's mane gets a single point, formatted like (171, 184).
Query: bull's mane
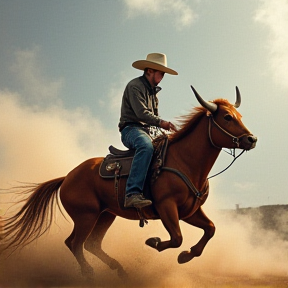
(188, 122)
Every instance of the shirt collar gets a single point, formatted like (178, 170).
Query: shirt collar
(154, 90)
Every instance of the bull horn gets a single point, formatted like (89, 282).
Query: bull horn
(212, 107)
(238, 98)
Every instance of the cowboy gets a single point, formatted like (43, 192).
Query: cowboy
(139, 111)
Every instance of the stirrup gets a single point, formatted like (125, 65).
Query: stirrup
(142, 220)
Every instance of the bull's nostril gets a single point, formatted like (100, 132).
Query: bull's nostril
(252, 139)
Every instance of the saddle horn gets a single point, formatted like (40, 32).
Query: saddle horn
(212, 107)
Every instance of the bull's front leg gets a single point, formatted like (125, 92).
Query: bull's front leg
(200, 220)
(168, 213)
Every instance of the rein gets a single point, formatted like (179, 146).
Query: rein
(235, 158)
(235, 140)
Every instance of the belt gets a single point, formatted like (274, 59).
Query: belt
(132, 124)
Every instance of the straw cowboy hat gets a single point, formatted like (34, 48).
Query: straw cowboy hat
(157, 61)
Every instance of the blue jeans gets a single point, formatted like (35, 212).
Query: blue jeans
(134, 137)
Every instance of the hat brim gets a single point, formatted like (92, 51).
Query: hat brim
(142, 64)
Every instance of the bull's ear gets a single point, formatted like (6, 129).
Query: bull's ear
(238, 98)
(212, 107)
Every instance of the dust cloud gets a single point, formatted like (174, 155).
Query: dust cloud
(241, 254)
(42, 143)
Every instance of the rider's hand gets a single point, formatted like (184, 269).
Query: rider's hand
(167, 125)
(172, 127)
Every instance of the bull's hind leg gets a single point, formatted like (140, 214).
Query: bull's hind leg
(94, 242)
(200, 220)
(68, 241)
(83, 226)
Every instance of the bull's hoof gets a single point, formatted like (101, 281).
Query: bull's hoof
(88, 273)
(114, 264)
(153, 242)
(122, 274)
(185, 257)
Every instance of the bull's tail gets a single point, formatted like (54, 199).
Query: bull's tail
(35, 216)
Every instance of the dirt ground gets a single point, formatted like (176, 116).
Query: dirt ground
(231, 259)
(36, 271)
(57, 278)
(241, 254)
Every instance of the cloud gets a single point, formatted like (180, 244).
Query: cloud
(35, 86)
(274, 15)
(115, 90)
(184, 15)
(245, 186)
(39, 137)
(48, 141)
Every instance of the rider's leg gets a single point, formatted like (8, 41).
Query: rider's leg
(136, 138)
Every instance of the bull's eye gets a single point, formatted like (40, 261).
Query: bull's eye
(228, 117)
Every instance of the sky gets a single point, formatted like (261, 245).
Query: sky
(64, 66)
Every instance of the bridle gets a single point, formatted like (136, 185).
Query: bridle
(235, 140)
(232, 152)
(212, 107)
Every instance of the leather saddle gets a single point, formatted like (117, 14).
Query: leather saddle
(118, 162)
